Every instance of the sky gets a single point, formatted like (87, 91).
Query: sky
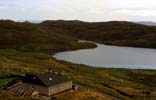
(85, 10)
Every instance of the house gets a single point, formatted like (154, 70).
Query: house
(47, 84)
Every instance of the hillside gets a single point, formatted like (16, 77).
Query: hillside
(114, 32)
(148, 23)
(32, 37)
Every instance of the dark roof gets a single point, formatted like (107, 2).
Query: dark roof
(51, 78)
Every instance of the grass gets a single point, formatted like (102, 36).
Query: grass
(5, 81)
(120, 33)
(5, 96)
(4, 78)
(83, 95)
(122, 83)
(27, 37)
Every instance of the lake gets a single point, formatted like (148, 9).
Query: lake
(112, 57)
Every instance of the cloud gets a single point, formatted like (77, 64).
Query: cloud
(88, 10)
(147, 12)
(5, 6)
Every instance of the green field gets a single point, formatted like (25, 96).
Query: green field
(5, 81)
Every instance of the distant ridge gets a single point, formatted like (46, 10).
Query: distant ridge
(48, 35)
(149, 23)
(31, 21)
(121, 33)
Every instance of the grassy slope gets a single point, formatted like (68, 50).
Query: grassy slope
(114, 32)
(125, 84)
(31, 37)
(6, 96)
(121, 83)
(82, 95)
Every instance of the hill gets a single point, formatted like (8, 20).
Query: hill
(114, 33)
(149, 23)
(32, 37)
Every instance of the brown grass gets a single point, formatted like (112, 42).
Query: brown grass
(83, 95)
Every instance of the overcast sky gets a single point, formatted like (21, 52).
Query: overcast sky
(86, 10)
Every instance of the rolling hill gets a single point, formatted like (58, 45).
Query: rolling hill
(62, 35)
(32, 37)
(113, 33)
(148, 23)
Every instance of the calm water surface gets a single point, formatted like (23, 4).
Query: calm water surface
(112, 57)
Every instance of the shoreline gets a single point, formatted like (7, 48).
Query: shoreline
(117, 66)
